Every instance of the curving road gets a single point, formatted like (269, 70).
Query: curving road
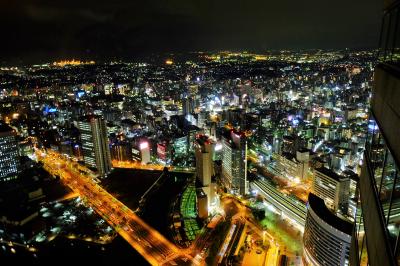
(155, 248)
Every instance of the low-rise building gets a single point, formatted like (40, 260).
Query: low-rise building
(293, 166)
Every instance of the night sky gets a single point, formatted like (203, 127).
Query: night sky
(35, 31)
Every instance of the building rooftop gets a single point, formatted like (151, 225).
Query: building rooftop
(200, 193)
(227, 133)
(330, 173)
(288, 138)
(289, 156)
(302, 150)
(203, 139)
(351, 175)
(89, 117)
(318, 206)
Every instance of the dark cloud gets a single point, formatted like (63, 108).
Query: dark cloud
(38, 31)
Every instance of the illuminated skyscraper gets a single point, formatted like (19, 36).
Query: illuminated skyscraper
(9, 154)
(234, 162)
(144, 147)
(204, 149)
(187, 105)
(96, 152)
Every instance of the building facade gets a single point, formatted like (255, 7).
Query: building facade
(202, 203)
(333, 188)
(9, 154)
(204, 152)
(376, 236)
(293, 167)
(96, 151)
(234, 163)
(327, 238)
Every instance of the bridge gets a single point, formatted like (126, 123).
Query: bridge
(154, 247)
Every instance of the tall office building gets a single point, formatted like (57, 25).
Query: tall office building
(234, 162)
(187, 105)
(96, 151)
(334, 189)
(327, 238)
(376, 238)
(140, 150)
(204, 150)
(9, 154)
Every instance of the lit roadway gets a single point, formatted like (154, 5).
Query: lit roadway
(159, 167)
(156, 249)
(136, 165)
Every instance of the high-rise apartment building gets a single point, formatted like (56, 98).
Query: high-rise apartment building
(96, 151)
(9, 154)
(234, 162)
(376, 237)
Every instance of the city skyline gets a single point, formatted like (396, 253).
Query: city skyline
(201, 133)
(181, 159)
(39, 32)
